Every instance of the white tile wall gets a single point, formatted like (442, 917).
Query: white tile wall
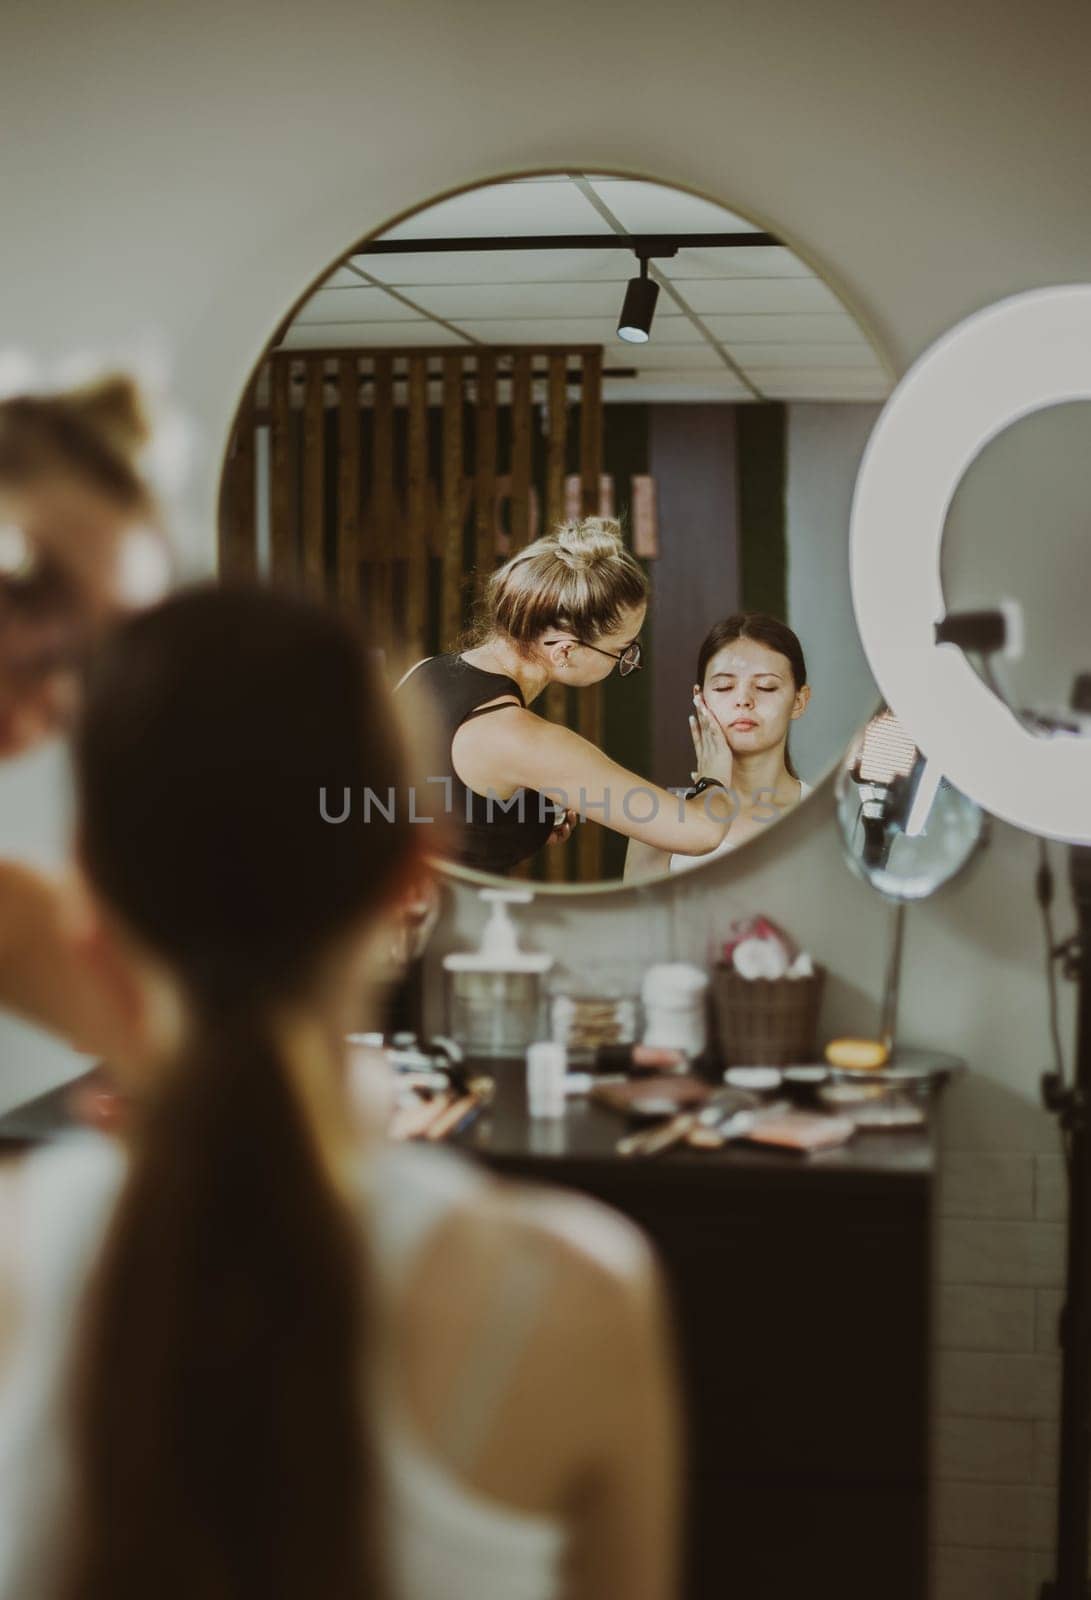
(999, 1267)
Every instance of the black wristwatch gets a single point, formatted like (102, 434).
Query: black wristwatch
(701, 785)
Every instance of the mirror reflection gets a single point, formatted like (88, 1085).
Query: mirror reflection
(578, 449)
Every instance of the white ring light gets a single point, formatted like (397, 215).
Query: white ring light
(1001, 364)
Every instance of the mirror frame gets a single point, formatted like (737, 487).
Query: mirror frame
(452, 869)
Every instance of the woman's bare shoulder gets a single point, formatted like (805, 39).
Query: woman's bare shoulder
(592, 1250)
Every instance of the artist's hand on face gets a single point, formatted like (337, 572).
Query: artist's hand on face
(564, 829)
(712, 754)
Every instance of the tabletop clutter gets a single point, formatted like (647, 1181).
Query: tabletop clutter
(684, 1057)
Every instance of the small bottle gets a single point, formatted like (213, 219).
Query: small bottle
(547, 1066)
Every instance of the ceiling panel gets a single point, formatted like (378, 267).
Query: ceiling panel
(500, 266)
(362, 335)
(756, 261)
(707, 296)
(682, 387)
(576, 330)
(652, 208)
(820, 386)
(779, 321)
(504, 208)
(549, 299)
(358, 304)
(770, 327)
(794, 355)
(663, 355)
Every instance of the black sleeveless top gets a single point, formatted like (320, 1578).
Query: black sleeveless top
(490, 834)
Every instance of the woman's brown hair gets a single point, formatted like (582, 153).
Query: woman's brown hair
(580, 577)
(221, 1446)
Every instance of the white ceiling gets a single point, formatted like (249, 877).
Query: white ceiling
(732, 324)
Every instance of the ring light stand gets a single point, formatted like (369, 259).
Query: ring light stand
(1002, 364)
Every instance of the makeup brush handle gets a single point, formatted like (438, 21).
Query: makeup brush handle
(448, 1120)
(660, 1138)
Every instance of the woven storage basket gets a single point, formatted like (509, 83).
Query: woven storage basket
(770, 1022)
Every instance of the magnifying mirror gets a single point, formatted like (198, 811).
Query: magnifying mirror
(905, 830)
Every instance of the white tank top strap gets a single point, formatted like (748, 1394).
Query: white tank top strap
(460, 1543)
(505, 1329)
(408, 1191)
(414, 1190)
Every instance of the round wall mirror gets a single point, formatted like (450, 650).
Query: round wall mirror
(678, 388)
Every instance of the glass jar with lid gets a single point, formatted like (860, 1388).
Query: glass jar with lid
(599, 1005)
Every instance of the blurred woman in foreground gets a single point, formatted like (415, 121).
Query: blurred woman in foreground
(258, 1352)
(81, 543)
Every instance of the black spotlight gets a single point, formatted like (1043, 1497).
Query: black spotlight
(635, 323)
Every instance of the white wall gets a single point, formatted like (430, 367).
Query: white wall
(191, 169)
(823, 448)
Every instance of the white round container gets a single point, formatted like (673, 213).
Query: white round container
(675, 996)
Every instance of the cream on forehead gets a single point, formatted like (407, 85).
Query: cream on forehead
(748, 657)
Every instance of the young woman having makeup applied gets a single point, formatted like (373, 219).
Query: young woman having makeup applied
(751, 686)
(253, 1351)
(566, 610)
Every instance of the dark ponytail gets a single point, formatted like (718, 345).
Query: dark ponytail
(221, 1443)
(220, 1421)
(766, 630)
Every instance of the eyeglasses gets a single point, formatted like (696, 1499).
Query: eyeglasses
(629, 659)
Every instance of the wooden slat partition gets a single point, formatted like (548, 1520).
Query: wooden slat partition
(591, 433)
(313, 468)
(554, 701)
(589, 700)
(451, 582)
(381, 510)
(485, 472)
(282, 509)
(519, 502)
(369, 532)
(348, 483)
(521, 425)
(418, 542)
(556, 463)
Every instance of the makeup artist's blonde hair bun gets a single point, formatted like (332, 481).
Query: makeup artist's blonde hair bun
(594, 539)
(581, 577)
(94, 432)
(112, 406)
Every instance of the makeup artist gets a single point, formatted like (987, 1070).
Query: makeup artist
(566, 610)
(81, 543)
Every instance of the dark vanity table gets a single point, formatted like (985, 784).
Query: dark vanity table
(801, 1290)
(801, 1294)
